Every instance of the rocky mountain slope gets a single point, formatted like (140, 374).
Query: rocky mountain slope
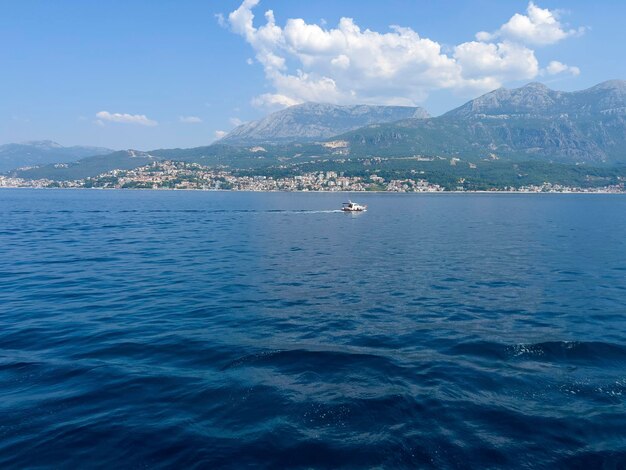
(528, 123)
(314, 121)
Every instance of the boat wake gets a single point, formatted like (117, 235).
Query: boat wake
(185, 211)
(302, 211)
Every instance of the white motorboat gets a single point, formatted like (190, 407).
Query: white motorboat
(353, 207)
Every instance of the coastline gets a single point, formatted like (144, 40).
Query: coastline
(318, 192)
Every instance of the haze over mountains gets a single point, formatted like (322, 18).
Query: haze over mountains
(531, 123)
(42, 152)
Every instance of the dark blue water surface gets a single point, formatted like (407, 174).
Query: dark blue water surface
(205, 329)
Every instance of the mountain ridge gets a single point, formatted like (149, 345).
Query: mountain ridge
(42, 152)
(316, 121)
(89, 166)
(536, 96)
(531, 122)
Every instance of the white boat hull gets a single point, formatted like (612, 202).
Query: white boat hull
(353, 207)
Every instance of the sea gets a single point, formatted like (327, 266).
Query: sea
(205, 329)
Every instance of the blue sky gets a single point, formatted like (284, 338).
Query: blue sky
(160, 74)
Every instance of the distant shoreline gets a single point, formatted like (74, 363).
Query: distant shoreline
(318, 192)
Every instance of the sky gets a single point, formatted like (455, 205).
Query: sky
(148, 74)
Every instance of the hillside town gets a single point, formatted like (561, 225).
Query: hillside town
(182, 175)
(192, 176)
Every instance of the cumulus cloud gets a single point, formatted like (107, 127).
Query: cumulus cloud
(555, 67)
(491, 62)
(220, 134)
(189, 119)
(347, 64)
(235, 121)
(140, 119)
(539, 27)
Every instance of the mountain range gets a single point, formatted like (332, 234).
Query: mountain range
(531, 123)
(528, 123)
(309, 122)
(43, 152)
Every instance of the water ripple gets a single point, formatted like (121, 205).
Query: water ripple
(208, 330)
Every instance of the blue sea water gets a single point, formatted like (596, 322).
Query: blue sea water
(148, 329)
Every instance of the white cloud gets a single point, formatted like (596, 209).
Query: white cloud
(220, 20)
(555, 67)
(220, 134)
(190, 119)
(140, 119)
(274, 100)
(341, 61)
(346, 64)
(502, 61)
(538, 27)
(235, 121)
